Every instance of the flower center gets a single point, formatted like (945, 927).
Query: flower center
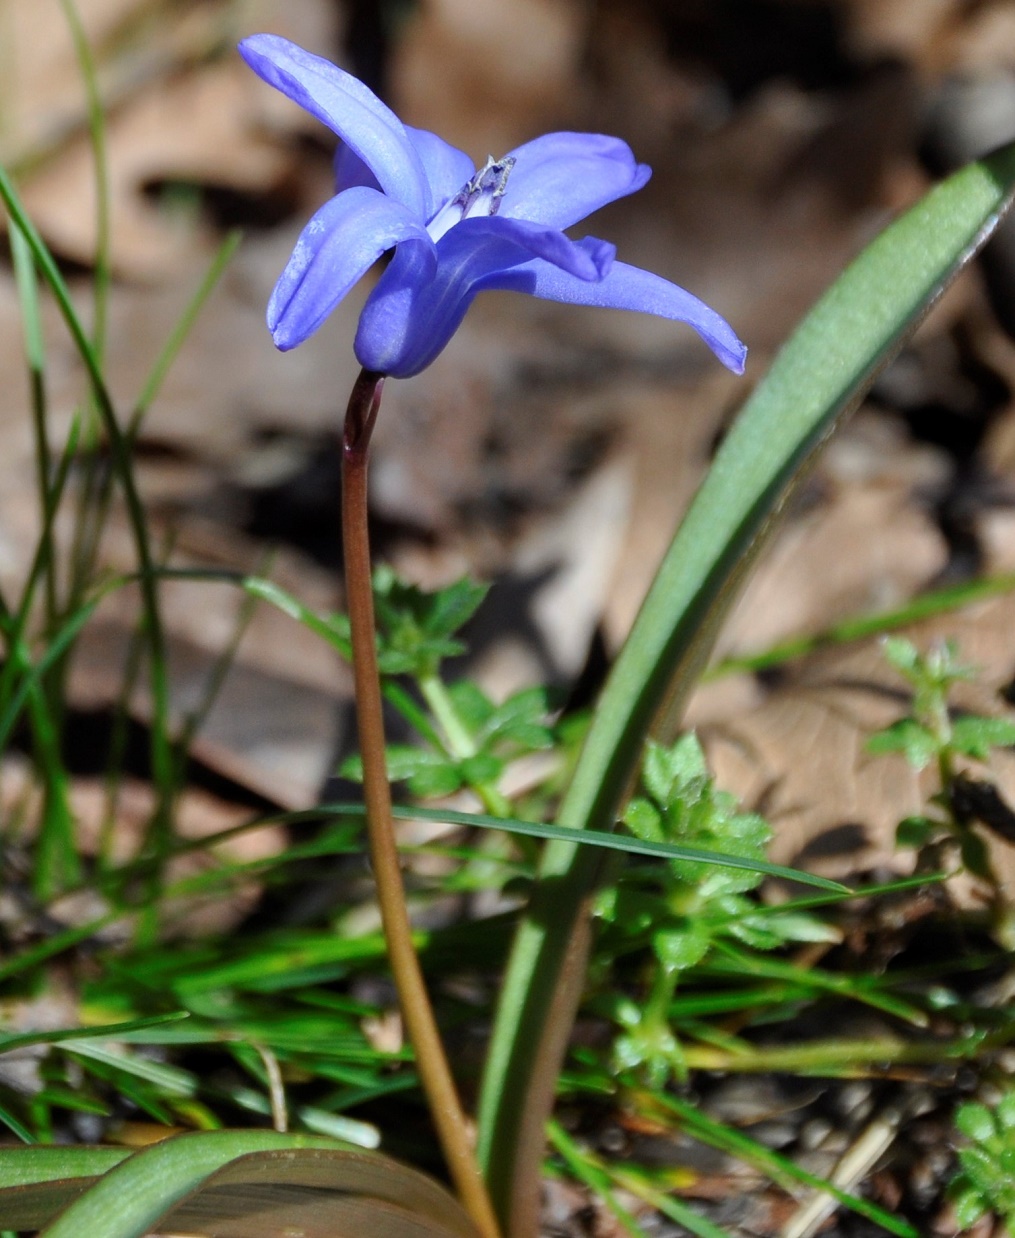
(477, 198)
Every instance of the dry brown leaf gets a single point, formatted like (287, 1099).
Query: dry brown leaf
(863, 543)
(191, 128)
(917, 30)
(42, 93)
(272, 735)
(936, 36)
(799, 756)
(180, 107)
(457, 70)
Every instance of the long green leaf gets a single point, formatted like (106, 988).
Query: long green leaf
(819, 376)
(35, 1183)
(109, 1031)
(195, 1182)
(533, 829)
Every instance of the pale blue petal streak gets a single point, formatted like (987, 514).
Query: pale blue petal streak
(627, 288)
(560, 178)
(336, 248)
(410, 317)
(350, 109)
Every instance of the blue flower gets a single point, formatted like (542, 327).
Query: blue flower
(455, 230)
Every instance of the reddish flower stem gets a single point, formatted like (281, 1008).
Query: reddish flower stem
(431, 1061)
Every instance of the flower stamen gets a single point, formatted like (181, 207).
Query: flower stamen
(477, 199)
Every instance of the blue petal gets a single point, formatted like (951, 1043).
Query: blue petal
(351, 172)
(492, 243)
(339, 245)
(560, 178)
(447, 168)
(413, 312)
(350, 109)
(629, 288)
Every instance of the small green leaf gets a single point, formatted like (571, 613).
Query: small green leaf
(902, 654)
(528, 705)
(682, 948)
(975, 736)
(433, 781)
(975, 1121)
(473, 707)
(969, 1206)
(644, 820)
(980, 1168)
(481, 769)
(454, 606)
(405, 762)
(421, 768)
(1005, 1111)
(756, 934)
(521, 720)
(915, 832)
(975, 855)
(914, 741)
(415, 626)
(669, 767)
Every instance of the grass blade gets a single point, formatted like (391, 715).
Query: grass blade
(111, 1031)
(780, 1168)
(533, 829)
(601, 1178)
(926, 605)
(162, 759)
(97, 134)
(163, 362)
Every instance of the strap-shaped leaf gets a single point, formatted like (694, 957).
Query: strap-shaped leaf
(330, 1192)
(817, 379)
(35, 1183)
(257, 1184)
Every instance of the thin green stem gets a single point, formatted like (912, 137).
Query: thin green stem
(460, 743)
(435, 1074)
